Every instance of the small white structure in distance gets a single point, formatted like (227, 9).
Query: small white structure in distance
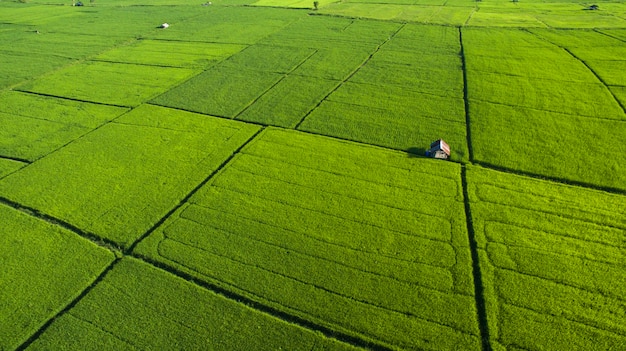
(164, 25)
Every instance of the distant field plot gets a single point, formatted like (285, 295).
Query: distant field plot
(349, 236)
(57, 110)
(32, 14)
(334, 33)
(575, 98)
(37, 41)
(410, 11)
(139, 307)
(220, 91)
(171, 53)
(298, 4)
(232, 25)
(604, 54)
(556, 145)
(289, 101)
(19, 67)
(123, 22)
(136, 169)
(44, 268)
(33, 126)
(109, 83)
(275, 58)
(406, 96)
(551, 258)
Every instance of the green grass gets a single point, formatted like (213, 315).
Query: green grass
(551, 255)
(215, 24)
(137, 306)
(220, 91)
(34, 126)
(275, 58)
(45, 43)
(109, 83)
(21, 67)
(171, 53)
(289, 101)
(44, 267)
(336, 233)
(567, 147)
(136, 169)
(9, 166)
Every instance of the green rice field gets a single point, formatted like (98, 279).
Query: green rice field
(254, 175)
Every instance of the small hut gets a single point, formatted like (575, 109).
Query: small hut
(439, 149)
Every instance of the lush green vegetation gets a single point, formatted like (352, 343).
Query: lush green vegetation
(251, 177)
(551, 256)
(135, 170)
(162, 311)
(33, 125)
(44, 267)
(400, 96)
(556, 125)
(109, 83)
(334, 224)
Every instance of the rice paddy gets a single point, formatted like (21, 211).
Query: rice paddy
(253, 176)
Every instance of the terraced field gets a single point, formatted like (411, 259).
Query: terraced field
(253, 176)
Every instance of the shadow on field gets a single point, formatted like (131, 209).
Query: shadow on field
(415, 152)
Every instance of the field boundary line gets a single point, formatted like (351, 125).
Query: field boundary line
(599, 78)
(297, 127)
(588, 68)
(479, 289)
(23, 160)
(100, 241)
(610, 190)
(468, 132)
(599, 31)
(268, 310)
(184, 200)
(284, 76)
(67, 308)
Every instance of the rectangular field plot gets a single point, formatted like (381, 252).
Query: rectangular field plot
(391, 117)
(429, 65)
(221, 91)
(33, 126)
(38, 42)
(19, 67)
(229, 24)
(553, 261)
(171, 53)
(289, 101)
(348, 236)
(567, 147)
(109, 83)
(121, 179)
(44, 268)
(274, 58)
(559, 96)
(139, 307)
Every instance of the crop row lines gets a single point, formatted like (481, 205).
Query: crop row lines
(308, 254)
(125, 341)
(191, 193)
(316, 286)
(297, 127)
(410, 235)
(67, 308)
(563, 317)
(557, 282)
(322, 190)
(267, 309)
(344, 247)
